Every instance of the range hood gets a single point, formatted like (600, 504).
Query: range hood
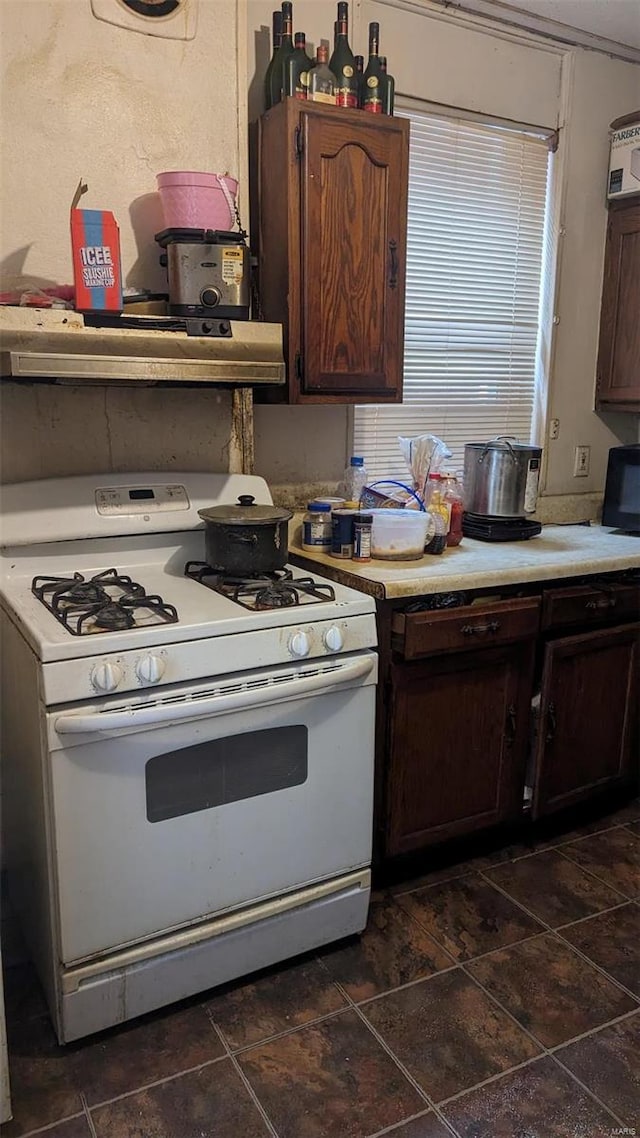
(59, 346)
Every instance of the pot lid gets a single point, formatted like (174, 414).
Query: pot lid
(245, 513)
(506, 443)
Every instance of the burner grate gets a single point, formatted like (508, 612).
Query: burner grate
(107, 602)
(279, 589)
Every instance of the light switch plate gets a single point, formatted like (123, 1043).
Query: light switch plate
(581, 461)
(167, 19)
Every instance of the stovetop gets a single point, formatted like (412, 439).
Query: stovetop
(277, 590)
(106, 602)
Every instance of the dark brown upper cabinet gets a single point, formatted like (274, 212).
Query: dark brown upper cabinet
(332, 217)
(618, 384)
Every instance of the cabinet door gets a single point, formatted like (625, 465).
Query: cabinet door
(353, 219)
(587, 727)
(618, 384)
(458, 744)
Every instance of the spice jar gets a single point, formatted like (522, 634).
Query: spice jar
(316, 527)
(362, 526)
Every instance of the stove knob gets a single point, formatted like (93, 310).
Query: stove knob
(105, 677)
(333, 639)
(150, 669)
(299, 644)
(210, 297)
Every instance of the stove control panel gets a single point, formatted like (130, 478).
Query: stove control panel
(106, 676)
(119, 501)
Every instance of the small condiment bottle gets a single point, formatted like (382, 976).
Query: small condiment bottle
(316, 527)
(452, 494)
(362, 526)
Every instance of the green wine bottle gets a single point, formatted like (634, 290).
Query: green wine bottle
(373, 78)
(343, 63)
(359, 74)
(279, 72)
(388, 88)
(298, 66)
(277, 35)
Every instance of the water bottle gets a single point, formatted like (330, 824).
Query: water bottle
(355, 479)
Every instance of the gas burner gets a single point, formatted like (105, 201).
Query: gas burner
(107, 602)
(279, 589)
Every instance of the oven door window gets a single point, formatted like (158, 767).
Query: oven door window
(220, 771)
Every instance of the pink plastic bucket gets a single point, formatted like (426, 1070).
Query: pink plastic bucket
(192, 200)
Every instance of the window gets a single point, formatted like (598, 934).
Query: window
(476, 225)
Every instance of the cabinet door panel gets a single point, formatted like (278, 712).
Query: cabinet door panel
(353, 265)
(458, 744)
(587, 716)
(619, 352)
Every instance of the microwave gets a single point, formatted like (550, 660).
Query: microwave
(621, 507)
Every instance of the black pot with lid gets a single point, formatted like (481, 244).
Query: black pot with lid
(245, 539)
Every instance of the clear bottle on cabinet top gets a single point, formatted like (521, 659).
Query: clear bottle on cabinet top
(322, 81)
(355, 480)
(343, 63)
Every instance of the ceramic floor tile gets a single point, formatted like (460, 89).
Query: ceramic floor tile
(275, 1001)
(210, 1103)
(609, 1064)
(614, 856)
(550, 990)
(538, 1101)
(144, 1051)
(612, 941)
(553, 888)
(468, 916)
(43, 1087)
(427, 1126)
(448, 1033)
(393, 950)
(329, 1079)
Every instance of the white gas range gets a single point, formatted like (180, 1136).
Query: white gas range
(187, 775)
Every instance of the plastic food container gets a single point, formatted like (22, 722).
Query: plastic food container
(399, 535)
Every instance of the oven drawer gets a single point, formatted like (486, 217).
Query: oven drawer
(414, 635)
(587, 605)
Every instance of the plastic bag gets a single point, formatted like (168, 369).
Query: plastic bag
(424, 455)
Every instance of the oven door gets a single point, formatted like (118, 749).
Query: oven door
(174, 806)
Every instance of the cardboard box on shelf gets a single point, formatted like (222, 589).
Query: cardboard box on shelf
(624, 161)
(95, 246)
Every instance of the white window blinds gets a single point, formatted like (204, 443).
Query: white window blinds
(474, 254)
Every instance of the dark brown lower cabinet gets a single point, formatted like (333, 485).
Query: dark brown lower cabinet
(458, 729)
(587, 739)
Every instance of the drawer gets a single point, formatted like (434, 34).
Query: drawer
(587, 605)
(468, 628)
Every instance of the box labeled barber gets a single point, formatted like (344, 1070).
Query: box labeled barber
(624, 161)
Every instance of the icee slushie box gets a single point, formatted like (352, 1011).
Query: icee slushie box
(95, 245)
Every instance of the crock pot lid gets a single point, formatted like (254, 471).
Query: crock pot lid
(245, 512)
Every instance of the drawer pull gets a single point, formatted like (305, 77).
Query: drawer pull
(602, 603)
(551, 729)
(478, 629)
(511, 725)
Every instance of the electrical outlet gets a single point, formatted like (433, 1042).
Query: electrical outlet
(581, 461)
(554, 428)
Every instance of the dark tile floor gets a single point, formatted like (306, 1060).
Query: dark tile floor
(497, 999)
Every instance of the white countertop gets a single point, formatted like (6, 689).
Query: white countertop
(559, 551)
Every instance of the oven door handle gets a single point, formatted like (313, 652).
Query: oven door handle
(169, 711)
